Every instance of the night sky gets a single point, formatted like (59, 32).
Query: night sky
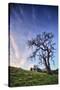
(26, 21)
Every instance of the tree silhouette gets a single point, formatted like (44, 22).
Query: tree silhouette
(43, 46)
(35, 68)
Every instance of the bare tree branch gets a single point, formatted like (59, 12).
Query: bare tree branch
(44, 46)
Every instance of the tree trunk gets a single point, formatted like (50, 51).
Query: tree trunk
(48, 70)
(47, 67)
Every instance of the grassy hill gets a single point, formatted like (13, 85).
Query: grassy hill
(20, 77)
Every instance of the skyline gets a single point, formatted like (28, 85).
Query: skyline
(26, 21)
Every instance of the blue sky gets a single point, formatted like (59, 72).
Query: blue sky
(26, 21)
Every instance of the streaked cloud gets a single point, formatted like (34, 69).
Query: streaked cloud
(33, 14)
(17, 60)
(14, 47)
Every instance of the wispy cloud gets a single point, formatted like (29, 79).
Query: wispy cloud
(17, 60)
(14, 47)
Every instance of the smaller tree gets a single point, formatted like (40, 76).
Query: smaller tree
(43, 49)
(31, 68)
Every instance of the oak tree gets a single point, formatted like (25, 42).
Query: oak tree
(43, 46)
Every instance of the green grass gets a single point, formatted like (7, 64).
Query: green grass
(20, 77)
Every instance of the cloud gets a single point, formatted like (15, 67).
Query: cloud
(14, 46)
(16, 56)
